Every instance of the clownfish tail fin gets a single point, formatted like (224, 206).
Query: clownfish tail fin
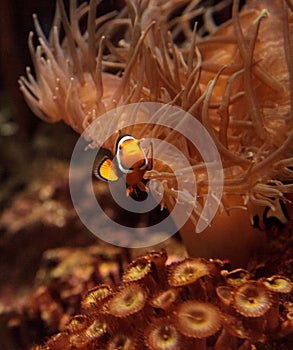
(106, 170)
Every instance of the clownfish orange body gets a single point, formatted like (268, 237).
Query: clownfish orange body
(129, 161)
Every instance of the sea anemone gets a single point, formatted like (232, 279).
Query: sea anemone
(77, 324)
(251, 299)
(96, 296)
(188, 271)
(225, 295)
(127, 301)
(197, 319)
(163, 335)
(237, 276)
(123, 342)
(164, 299)
(277, 284)
(137, 270)
(287, 325)
(96, 329)
(236, 81)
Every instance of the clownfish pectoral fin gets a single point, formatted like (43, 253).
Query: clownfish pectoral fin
(106, 170)
(130, 190)
(142, 187)
(150, 156)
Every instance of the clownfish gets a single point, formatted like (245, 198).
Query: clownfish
(279, 217)
(130, 161)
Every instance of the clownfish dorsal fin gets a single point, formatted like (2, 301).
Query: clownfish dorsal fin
(150, 157)
(106, 170)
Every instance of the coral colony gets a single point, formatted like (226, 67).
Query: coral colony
(236, 80)
(189, 304)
